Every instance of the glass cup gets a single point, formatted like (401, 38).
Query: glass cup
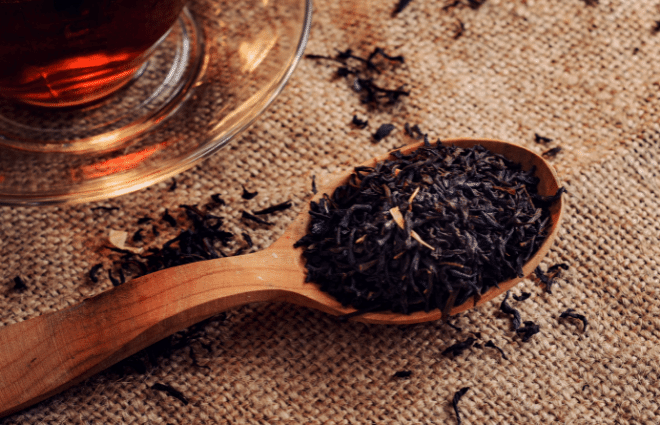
(63, 53)
(128, 99)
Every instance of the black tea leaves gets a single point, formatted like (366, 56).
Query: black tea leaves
(548, 278)
(248, 240)
(217, 199)
(457, 397)
(246, 215)
(359, 123)
(248, 195)
(426, 230)
(460, 29)
(19, 284)
(402, 4)
(506, 308)
(522, 297)
(137, 236)
(541, 139)
(413, 131)
(403, 374)
(476, 4)
(94, 271)
(571, 314)
(274, 208)
(145, 219)
(491, 344)
(528, 331)
(551, 153)
(170, 391)
(114, 280)
(459, 347)
(107, 209)
(169, 219)
(656, 28)
(361, 72)
(383, 131)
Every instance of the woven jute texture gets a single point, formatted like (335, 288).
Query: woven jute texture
(585, 74)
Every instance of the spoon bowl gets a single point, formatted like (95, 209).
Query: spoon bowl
(47, 354)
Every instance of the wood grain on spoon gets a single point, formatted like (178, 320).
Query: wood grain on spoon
(45, 355)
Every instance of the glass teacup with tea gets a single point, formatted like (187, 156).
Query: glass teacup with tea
(90, 75)
(62, 53)
(99, 98)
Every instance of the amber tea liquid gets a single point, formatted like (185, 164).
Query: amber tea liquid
(60, 53)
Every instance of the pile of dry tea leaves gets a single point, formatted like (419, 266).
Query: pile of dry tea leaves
(425, 230)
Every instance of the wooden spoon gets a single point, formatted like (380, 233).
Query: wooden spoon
(42, 356)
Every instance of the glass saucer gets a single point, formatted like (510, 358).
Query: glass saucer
(218, 69)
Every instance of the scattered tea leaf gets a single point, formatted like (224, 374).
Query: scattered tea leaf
(274, 208)
(145, 219)
(93, 272)
(108, 209)
(248, 195)
(217, 199)
(361, 76)
(169, 219)
(460, 29)
(491, 344)
(506, 308)
(522, 297)
(171, 391)
(549, 277)
(528, 331)
(654, 30)
(457, 397)
(402, 4)
(476, 4)
(413, 131)
(551, 153)
(248, 216)
(383, 131)
(570, 314)
(137, 236)
(19, 284)
(115, 281)
(247, 239)
(403, 374)
(541, 139)
(359, 123)
(458, 348)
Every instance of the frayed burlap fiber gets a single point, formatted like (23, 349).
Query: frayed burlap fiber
(585, 74)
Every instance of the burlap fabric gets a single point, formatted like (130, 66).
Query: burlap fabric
(584, 75)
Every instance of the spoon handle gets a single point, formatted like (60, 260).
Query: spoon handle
(42, 356)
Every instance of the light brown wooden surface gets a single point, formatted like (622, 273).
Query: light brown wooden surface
(45, 355)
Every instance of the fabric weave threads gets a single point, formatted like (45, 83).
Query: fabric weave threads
(584, 76)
